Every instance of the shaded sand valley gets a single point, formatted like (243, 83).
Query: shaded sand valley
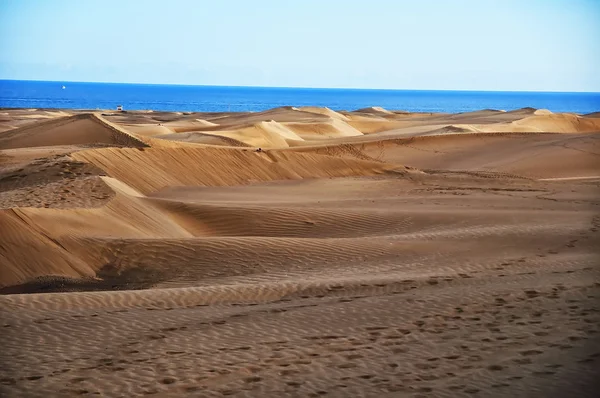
(299, 252)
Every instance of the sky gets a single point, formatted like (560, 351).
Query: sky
(498, 45)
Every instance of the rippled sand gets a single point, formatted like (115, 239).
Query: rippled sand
(299, 252)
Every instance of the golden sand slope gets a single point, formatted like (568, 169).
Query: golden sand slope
(148, 170)
(324, 264)
(269, 134)
(375, 110)
(177, 162)
(563, 123)
(527, 155)
(70, 130)
(152, 169)
(14, 118)
(203, 138)
(27, 253)
(333, 128)
(121, 211)
(324, 111)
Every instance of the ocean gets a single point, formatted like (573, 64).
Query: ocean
(71, 95)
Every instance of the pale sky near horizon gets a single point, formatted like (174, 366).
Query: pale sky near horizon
(512, 45)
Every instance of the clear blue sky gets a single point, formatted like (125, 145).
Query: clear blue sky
(522, 45)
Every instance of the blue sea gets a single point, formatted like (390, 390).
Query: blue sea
(44, 94)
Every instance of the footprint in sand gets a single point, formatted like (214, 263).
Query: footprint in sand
(530, 352)
(168, 380)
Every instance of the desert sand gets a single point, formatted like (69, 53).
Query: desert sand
(300, 252)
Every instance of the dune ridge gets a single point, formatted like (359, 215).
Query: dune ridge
(377, 110)
(332, 128)
(324, 111)
(216, 167)
(65, 130)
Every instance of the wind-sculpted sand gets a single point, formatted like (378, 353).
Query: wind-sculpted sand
(300, 252)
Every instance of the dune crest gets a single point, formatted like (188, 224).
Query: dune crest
(332, 128)
(559, 123)
(153, 169)
(377, 110)
(267, 134)
(323, 111)
(201, 137)
(87, 128)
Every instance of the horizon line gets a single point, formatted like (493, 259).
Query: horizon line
(299, 87)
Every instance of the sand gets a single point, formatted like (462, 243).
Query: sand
(299, 252)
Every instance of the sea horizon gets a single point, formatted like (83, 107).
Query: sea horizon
(299, 87)
(218, 98)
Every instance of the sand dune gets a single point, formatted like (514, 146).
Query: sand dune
(149, 130)
(530, 111)
(280, 115)
(19, 117)
(366, 253)
(332, 128)
(152, 169)
(269, 134)
(539, 123)
(198, 137)
(324, 111)
(43, 257)
(532, 156)
(377, 110)
(187, 125)
(183, 127)
(562, 123)
(70, 130)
